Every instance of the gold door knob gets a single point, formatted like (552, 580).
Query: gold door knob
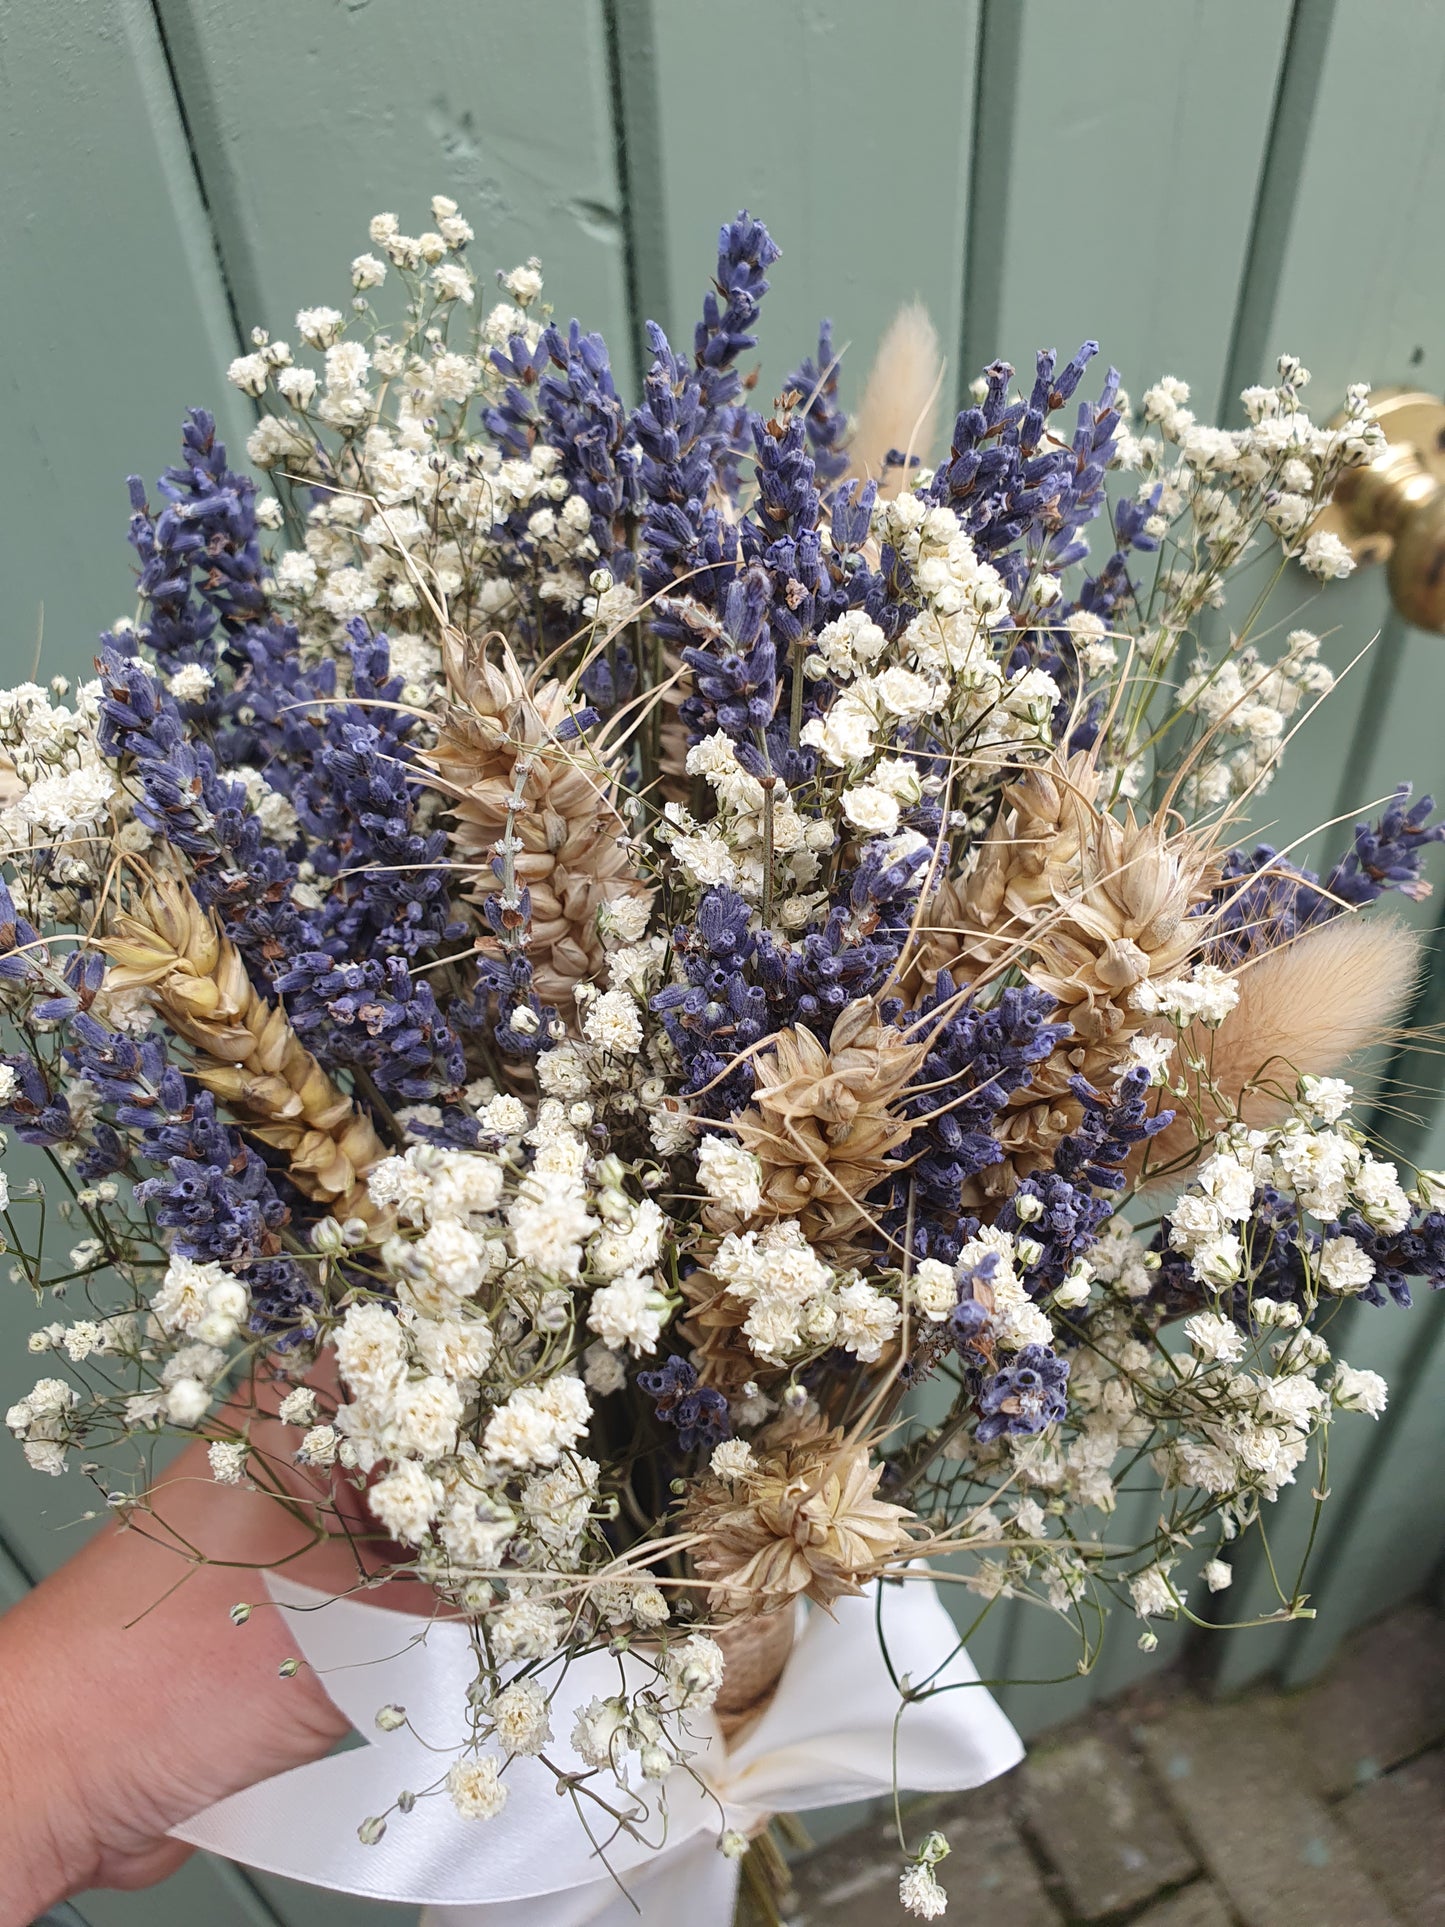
(1393, 511)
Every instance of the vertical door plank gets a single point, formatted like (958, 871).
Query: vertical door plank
(1390, 1536)
(1126, 211)
(1360, 289)
(1148, 261)
(331, 114)
(850, 138)
(112, 310)
(1382, 321)
(1388, 1531)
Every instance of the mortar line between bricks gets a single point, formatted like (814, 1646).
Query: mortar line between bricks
(1382, 1699)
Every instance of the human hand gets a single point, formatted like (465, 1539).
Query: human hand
(130, 1699)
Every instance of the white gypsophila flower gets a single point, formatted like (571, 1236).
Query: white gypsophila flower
(1343, 1266)
(319, 1447)
(400, 1184)
(1152, 1594)
(600, 1734)
(693, 1670)
(920, 1894)
(1327, 1097)
(453, 283)
(367, 272)
(319, 327)
(298, 387)
(733, 1459)
(227, 1461)
(866, 1320)
(191, 683)
(1359, 1391)
(183, 1298)
(613, 1022)
(562, 1073)
(187, 1401)
(524, 284)
(370, 1350)
(519, 1717)
(729, 1174)
(870, 808)
(503, 1115)
(459, 1349)
(1217, 1574)
(249, 373)
(1326, 556)
(348, 592)
(405, 1502)
(602, 1370)
(423, 1417)
(1206, 995)
(558, 1504)
(934, 1288)
(852, 641)
(476, 1788)
(844, 735)
(1017, 1320)
(464, 1185)
(776, 1262)
(537, 1424)
(1151, 1054)
(628, 1313)
(1379, 1194)
(1216, 1339)
(550, 1224)
(525, 1629)
(1318, 1167)
(298, 1407)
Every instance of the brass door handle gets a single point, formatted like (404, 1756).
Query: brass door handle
(1393, 511)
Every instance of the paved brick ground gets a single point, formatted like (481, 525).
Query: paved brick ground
(1324, 1808)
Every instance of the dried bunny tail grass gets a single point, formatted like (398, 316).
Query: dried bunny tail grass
(900, 402)
(1304, 1010)
(257, 1064)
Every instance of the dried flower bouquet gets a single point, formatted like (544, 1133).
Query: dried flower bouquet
(673, 990)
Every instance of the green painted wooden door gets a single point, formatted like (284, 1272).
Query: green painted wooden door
(1197, 183)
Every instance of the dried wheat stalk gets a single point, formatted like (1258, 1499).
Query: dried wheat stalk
(1089, 907)
(251, 1057)
(499, 753)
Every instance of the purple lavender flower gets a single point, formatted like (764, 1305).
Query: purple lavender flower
(697, 1412)
(1264, 901)
(1025, 1397)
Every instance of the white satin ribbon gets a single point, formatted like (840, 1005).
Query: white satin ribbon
(834, 1732)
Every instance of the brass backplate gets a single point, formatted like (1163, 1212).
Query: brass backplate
(1410, 416)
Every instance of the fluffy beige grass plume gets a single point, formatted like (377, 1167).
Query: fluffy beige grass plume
(900, 402)
(1305, 1009)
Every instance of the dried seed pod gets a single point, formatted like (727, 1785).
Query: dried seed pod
(805, 1521)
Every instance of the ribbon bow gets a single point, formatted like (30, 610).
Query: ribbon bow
(834, 1732)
